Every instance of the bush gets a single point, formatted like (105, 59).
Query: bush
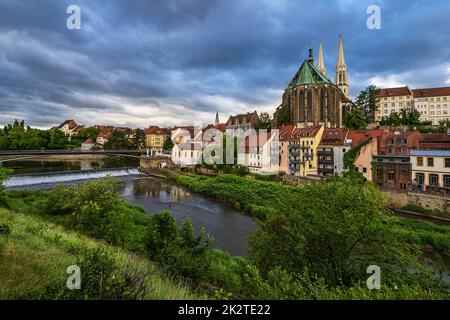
(178, 250)
(95, 209)
(5, 229)
(102, 278)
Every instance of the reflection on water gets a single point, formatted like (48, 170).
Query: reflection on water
(228, 227)
(36, 166)
(43, 166)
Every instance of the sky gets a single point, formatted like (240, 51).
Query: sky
(165, 62)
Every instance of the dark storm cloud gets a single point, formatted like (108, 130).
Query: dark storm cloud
(173, 62)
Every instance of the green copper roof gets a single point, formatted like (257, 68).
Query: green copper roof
(308, 74)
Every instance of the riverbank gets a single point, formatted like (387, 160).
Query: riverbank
(291, 257)
(35, 254)
(264, 200)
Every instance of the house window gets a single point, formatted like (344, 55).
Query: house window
(430, 162)
(447, 162)
(434, 180)
(447, 181)
(365, 170)
(391, 175)
(420, 177)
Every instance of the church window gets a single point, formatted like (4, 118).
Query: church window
(322, 105)
(309, 106)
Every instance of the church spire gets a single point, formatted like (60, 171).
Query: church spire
(320, 61)
(341, 60)
(311, 56)
(341, 75)
(217, 119)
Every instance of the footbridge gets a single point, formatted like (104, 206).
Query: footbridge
(16, 155)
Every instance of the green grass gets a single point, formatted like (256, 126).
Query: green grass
(428, 212)
(37, 253)
(263, 199)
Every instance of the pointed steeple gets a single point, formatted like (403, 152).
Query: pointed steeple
(320, 61)
(311, 56)
(341, 59)
(341, 75)
(217, 119)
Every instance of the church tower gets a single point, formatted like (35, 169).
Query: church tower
(217, 119)
(341, 75)
(320, 61)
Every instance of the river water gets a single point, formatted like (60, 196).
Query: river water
(228, 227)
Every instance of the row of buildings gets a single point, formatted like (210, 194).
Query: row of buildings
(433, 104)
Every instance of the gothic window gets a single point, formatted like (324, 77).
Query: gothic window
(301, 109)
(310, 107)
(322, 105)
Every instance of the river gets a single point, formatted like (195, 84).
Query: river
(228, 227)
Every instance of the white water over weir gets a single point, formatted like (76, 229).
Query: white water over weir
(21, 180)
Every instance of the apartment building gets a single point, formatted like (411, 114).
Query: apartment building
(188, 147)
(302, 150)
(260, 153)
(154, 140)
(285, 135)
(391, 166)
(433, 104)
(431, 169)
(365, 141)
(393, 100)
(331, 150)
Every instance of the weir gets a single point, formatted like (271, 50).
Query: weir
(21, 180)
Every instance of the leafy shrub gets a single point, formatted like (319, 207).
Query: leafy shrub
(178, 249)
(102, 278)
(95, 209)
(5, 229)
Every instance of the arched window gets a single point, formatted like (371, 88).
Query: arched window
(309, 106)
(301, 109)
(322, 105)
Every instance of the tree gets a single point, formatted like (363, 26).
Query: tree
(336, 231)
(179, 250)
(139, 139)
(283, 115)
(58, 140)
(355, 119)
(118, 141)
(368, 101)
(168, 144)
(264, 122)
(3, 173)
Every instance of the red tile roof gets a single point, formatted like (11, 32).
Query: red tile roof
(392, 92)
(360, 136)
(334, 136)
(72, 124)
(393, 143)
(154, 130)
(431, 92)
(434, 141)
(285, 132)
(249, 117)
(305, 132)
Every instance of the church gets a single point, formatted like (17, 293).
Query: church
(312, 98)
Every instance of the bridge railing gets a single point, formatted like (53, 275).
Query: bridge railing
(64, 151)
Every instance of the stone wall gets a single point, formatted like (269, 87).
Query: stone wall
(427, 201)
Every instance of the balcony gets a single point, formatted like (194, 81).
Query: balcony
(325, 153)
(324, 161)
(325, 170)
